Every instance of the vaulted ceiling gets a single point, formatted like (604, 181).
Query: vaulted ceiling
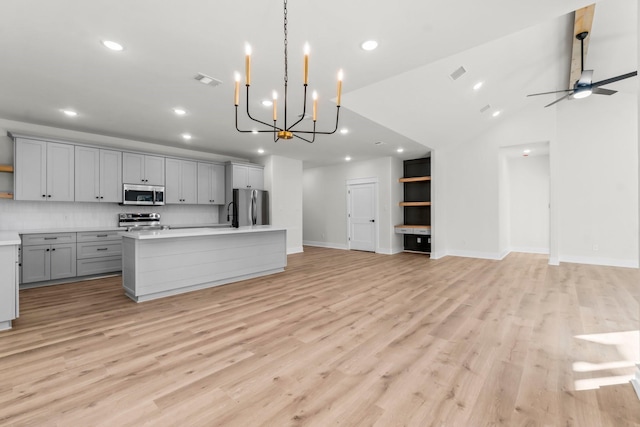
(400, 95)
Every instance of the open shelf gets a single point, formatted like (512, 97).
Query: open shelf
(5, 195)
(421, 227)
(6, 168)
(415, 179)
(415, 203)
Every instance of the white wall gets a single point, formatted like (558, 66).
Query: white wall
(283, 181)
(23, 215)
(594, 181)
(528, 203)
(325, 202)
(598, 182)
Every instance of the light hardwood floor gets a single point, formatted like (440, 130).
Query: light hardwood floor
(340, 338)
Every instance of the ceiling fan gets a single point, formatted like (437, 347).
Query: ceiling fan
(584, 86)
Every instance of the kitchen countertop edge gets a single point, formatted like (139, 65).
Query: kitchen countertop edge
(196, 232)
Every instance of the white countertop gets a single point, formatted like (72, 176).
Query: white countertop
(195, 232)
(9, 238)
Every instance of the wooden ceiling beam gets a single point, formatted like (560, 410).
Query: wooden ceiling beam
(582, 22)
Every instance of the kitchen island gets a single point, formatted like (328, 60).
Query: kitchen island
(162, 263)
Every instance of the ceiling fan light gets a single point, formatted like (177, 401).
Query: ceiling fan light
(579, 94)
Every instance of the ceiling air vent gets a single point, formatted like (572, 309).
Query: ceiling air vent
(485, 108)
(457, 73)
(207, 80)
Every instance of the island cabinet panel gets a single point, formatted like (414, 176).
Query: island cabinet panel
(155, 268)
(8, 285)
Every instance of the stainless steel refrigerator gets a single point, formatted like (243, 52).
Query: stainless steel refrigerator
(250, 207)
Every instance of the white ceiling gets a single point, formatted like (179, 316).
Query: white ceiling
(400, 94)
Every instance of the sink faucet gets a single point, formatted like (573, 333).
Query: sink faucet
(228, 206)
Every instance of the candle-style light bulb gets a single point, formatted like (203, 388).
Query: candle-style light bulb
(247, 51)
(340, 77)
(237, 88)
(315, 105)
(306, 63)
(275, 105)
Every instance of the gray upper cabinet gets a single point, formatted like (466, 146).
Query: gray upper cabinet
(98, 175)
(44, 171)
(142, 169)
(247, 176)
(182, 181)
(210, 184)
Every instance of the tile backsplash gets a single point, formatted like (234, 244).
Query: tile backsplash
(18, 215)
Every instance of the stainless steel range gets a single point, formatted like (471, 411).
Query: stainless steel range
(139, 221)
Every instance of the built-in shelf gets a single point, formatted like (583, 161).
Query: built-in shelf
(415, 179)
(415, 203)
(6, 168)
(6, 195)
(421, 227)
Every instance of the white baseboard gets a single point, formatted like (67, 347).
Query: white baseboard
(481, 255)
(387, 251)
(324, 244)
(295, 250)
(636, 381)
(553, 260)
(611, 262)
(530, 250)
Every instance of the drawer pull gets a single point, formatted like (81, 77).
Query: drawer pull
(102, 235)
(102, 249)
(50, 238)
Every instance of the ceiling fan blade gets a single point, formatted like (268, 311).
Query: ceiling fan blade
(603, 91)
(547, 93)
(559, 99)
(615, 79)
(586, 77)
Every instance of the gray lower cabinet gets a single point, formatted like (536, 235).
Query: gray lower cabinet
(48, 257)
(54, 256)
(99, 252)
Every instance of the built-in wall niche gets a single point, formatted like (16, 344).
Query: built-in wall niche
(416, 227)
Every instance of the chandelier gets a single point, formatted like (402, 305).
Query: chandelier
(283, 130)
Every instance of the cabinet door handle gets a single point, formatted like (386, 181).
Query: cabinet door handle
(101, 197)
(102, 249)
(97, 197)
(47, 250)
(53, 249)
(101, 235)
(49, 195)
(372, 220)
(44, 195)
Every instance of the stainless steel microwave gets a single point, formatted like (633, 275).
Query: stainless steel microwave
(134, 194)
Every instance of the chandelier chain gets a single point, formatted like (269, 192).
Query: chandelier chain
(286, 42)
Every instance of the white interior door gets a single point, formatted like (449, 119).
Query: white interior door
(362, 217)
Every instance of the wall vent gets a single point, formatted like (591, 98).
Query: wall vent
(457, 73)
(207, 80)
(485, 108)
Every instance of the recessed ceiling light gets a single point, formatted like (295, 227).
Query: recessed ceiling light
(400, 150)
(70, 113)
(496, 113)
(527, 151)
(260, 151)
(112, 45)
(369, 45)
(186, 136)
(344, 131)
(477, 85)
(267, 103)
(180, 111)
(348, 158)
